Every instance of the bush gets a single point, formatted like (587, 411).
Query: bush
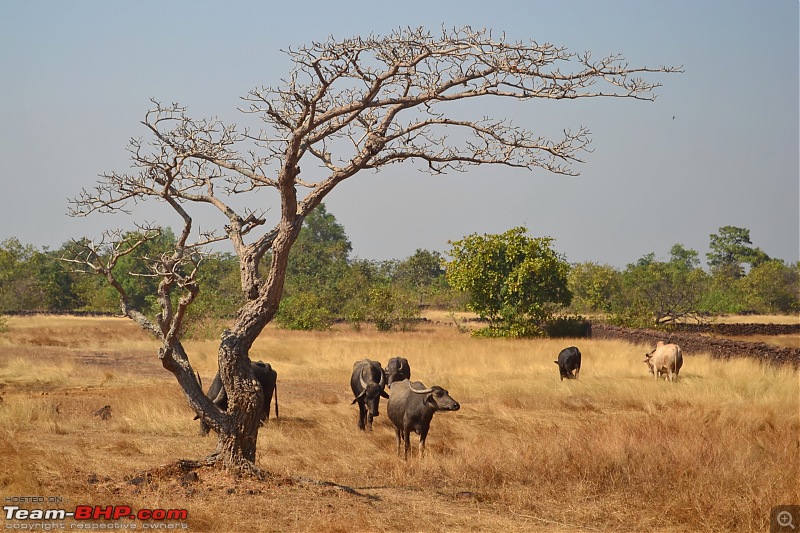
(389, 308)
(511, 329)
(304, 311)
(568, 326)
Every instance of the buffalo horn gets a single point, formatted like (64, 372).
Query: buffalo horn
(363, 393)
(220, 396)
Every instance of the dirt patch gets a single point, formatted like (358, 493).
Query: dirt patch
(300, 503)
(133, 362)
(741, 330)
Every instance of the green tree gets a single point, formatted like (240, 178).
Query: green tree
(55, 280)
(724, 294)
(684, 257)
(513, 280)
(315, 273)
(138, 272)
(594, 287)
(390, 307)
(655, 293)
(772, 287)
(304, 310)
(731, 248)
(19, 287)
(87, 293)
(422, 274)
(320, 253)
(218, 299)
(361, 276)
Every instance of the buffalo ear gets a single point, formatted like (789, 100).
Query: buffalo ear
(556, 362)
(384, 394)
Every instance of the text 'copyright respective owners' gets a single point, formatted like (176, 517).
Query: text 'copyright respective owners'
(784, 518)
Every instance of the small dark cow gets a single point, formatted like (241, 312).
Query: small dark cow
(368, 382)
(411, 408)
(569, 363)
(397, 369)
(267, 378)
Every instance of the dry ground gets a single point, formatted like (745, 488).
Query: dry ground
(613, 451)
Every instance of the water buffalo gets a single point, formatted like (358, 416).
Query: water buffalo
(267, 378)
(367, 381)
(569, 363)
(665, 359)
(411, 408)
(397, 369)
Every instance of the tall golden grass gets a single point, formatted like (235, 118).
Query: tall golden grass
(613, 451)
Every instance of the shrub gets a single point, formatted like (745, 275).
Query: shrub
(511, 329)
(389, 308)
(568, 326)
(304, 311)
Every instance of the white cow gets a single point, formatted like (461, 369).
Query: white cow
(665, 359)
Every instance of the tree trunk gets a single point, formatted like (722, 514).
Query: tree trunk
(237, 451)
(236, 444)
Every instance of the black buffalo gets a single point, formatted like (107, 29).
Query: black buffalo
(569, 363)
(397, 369)
(411, 408)
(267, 378)
(368, 382)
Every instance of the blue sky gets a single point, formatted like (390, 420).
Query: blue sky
(76, 78)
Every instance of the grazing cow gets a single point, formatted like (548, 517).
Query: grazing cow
(569, 363)
(397, 369)
(411, 408)
(665, 359)
(267, 378)
(367, 381)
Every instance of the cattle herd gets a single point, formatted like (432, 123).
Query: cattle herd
(411, 404)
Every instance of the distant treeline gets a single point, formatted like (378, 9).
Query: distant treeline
(325, 285)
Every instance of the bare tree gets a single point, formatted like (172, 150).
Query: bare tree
(345, 107)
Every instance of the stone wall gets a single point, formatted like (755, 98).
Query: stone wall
(696, 343)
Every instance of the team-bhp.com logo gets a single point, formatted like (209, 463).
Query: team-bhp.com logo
(18, 518)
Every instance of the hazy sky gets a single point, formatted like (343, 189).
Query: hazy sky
(76, 78)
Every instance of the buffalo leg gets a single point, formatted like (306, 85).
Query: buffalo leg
(407, 442)
(362, 415)
(422, 436)
(397, 434)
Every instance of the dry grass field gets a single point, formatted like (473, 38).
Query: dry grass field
(760, 319)
(613, 451)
